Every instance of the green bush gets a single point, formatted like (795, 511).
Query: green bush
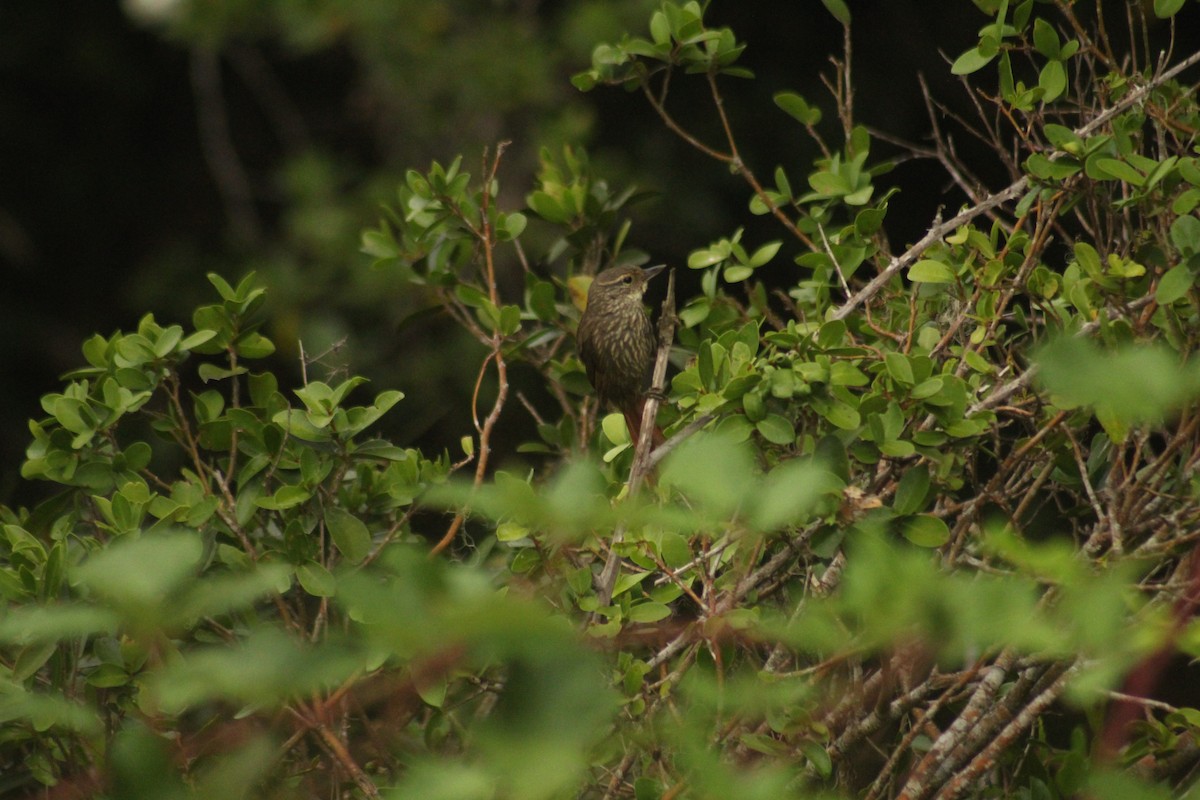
(921, 528)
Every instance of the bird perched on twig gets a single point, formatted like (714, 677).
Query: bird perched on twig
(617, 342)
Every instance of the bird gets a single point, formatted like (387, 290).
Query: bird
(616, 341)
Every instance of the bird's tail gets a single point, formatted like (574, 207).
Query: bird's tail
(633, 420)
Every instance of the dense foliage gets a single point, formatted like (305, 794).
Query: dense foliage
(922, 527)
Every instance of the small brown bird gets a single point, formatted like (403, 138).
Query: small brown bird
(617, 342)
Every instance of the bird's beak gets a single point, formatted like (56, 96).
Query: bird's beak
(650, 272)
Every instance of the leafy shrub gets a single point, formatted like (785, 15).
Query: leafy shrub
(921, 528)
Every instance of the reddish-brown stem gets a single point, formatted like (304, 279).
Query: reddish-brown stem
(496, 341)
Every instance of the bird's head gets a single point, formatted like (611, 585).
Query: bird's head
(622, 284)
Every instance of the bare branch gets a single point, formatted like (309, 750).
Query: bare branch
(641, 466)
(938, 231)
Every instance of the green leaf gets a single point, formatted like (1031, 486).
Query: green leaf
(32, 657)
(197, 339)
(791, 493)
(832, 333)
(547, 207)
(28, 624)
(970, 61)
(254, 345)
(660, 28)
(74, 415)
(359, 419)
(140, 574)
(615, 429)
(1185, 234)
(798, 108)
(168, 341)
(379, 243)
(1045, 38)
(764, 254)
(211, 372)
(713, 470)
(978, 363)
(541, 301)
(108, 676)
(839, 10)
(928, 388)
(349, 534)
(699, 259)
(514, 226)
(511, 532)
(627, 581)
(316, 579)
(829, 184)
(1167, 8)
(285, 497)
(818, 757)
(432, 689)
(137, 456)
(1120, 171)
(1088, 259)
(1063, 138)
(843, 416)
(674, 549)
(912, 490)
(926, 530)
(648, 612)
(222, 286)
(898, 448)
(860, 197)
(584, 81)
(695, 312)
(1053, 80)
(776, 429)
(299, 424)
(899, 368)
(782, 183)
(929, 271)
(1189, 170)
(510, 320)
(737, 273)
(843, 373)
(1175, 284)
(613, 452)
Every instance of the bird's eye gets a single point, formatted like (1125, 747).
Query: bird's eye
(628, 279)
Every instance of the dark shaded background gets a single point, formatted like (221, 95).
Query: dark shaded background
(113, 204)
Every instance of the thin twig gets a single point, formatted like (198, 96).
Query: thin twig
(488, 241)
